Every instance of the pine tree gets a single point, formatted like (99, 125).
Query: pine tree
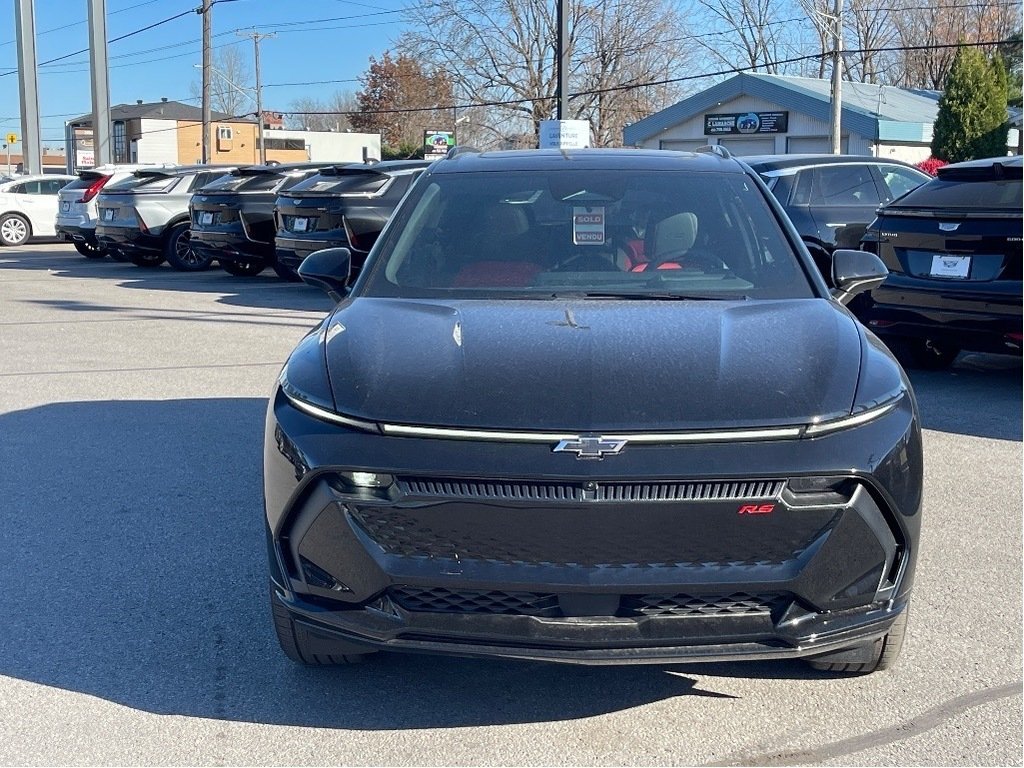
(972, 110)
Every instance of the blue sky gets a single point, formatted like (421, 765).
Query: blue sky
(316, 40)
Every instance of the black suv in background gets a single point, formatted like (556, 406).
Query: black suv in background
(145, 217)
(233, 216)
(953, 250)
(832, 198)
(343, 206)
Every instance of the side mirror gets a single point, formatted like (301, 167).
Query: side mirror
(854, 272)
(328, 270)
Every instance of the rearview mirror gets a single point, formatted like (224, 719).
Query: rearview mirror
(854, 272)
(328, 270)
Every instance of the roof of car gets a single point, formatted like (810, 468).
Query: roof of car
(39, 176)
(770, 162)
(611, 159)
(182, 170)
(1009, 161)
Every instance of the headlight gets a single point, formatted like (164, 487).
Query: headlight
(863, 416)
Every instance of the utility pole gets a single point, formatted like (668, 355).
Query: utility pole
(837, 78)
(28, 87)
(562, 103)
(207, 12)
(256, 37)
(101, 125)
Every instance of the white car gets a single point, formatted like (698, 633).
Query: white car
(27, 205)
(76, 211)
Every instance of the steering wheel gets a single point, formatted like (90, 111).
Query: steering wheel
(586, 262)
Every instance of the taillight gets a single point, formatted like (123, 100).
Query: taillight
(93, 189)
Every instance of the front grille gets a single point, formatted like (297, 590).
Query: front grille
(439, 600)
(494, 602)
(557, 491)
(592, 536)
(736, 604)
(473, 489)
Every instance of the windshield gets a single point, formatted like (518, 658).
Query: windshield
(593, 233)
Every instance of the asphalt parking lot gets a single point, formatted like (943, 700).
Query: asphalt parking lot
(135, 628)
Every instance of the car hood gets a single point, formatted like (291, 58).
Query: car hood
(592, 365)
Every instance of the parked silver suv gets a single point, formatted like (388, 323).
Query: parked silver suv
(145, 217)
(76, 205)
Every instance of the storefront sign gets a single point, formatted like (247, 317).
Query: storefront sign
(437, 143)
(746, 122)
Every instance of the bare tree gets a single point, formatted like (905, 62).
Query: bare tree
(231, 82)
(928, 26)
(750, 34)
(332, 114)
(504, 51)
(822, 21)
(870, 27)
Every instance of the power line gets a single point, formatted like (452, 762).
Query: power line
(648, 84)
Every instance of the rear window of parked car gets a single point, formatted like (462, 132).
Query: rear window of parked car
(965, 193)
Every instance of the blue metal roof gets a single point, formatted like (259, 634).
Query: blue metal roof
(874, 111)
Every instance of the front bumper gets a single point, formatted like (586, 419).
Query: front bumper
(594, 562)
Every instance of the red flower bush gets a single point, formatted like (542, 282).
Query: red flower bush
(931, 165)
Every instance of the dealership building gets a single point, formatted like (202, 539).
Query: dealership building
(755, 114)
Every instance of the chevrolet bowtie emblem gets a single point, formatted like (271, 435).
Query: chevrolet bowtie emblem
(590, 447)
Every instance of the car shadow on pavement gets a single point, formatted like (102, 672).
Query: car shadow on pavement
(980, 395)
(133, 570)
(266, 290)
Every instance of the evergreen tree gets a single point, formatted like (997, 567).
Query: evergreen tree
(972, 110)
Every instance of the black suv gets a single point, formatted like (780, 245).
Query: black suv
(832, 198)
(233, 216)
(592, 406)
(342, 206)
(953, 249)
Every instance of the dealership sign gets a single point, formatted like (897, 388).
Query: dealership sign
(437, 143)
(746, 122)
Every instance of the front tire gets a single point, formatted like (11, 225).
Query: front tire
(301, 648)
(885, 652)
(179, 252)
(286, 273)
(147, 259)
(89, 249)
(244, 268)
(14, 229)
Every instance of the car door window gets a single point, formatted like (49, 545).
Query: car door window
(845, 185)
(28, 188)
(898, 181)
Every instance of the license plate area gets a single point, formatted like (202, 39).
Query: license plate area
(109, 214)
(300, 224)
(950, 266)
(65, 206)
(205, 218)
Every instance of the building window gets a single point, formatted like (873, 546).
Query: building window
(120, 142)
(293, 145)
(224, 132)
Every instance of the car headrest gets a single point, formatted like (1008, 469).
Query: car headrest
(675, 233)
